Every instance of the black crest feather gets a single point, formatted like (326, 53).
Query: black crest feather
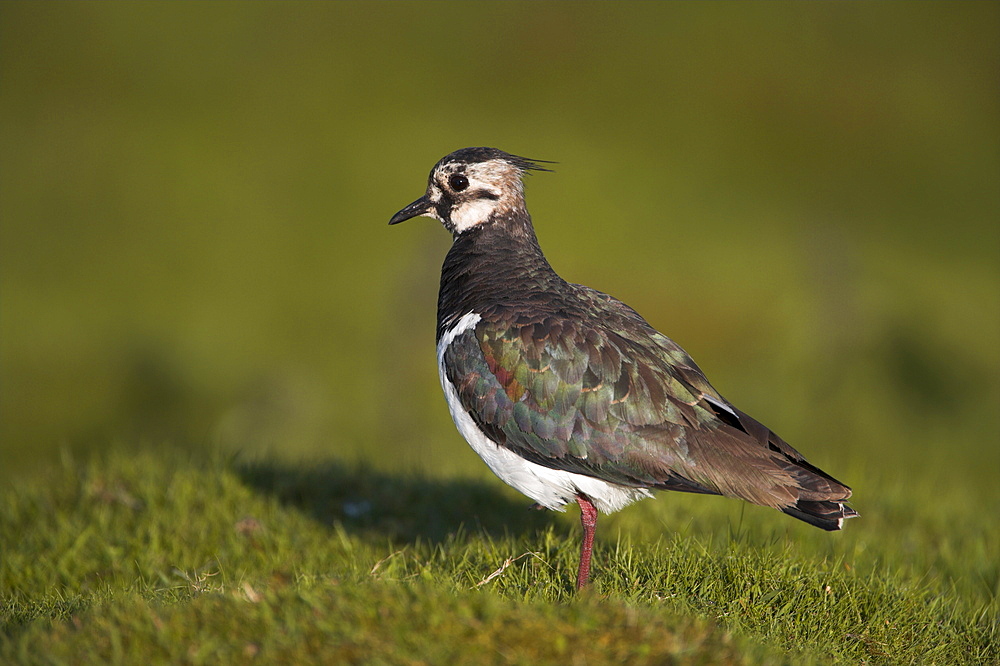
(479, 154)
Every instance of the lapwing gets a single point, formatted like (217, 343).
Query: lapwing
(568, 394)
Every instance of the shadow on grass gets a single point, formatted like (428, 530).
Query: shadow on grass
(402, 508)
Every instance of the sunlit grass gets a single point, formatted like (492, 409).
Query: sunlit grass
(164, 557)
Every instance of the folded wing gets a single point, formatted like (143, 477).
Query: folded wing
(628, 409)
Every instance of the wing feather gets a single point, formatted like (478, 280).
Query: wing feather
(633, 410)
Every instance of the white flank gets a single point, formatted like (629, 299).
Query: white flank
(551, 488)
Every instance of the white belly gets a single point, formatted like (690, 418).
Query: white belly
(549, 487)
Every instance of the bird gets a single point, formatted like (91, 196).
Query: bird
(567, 393)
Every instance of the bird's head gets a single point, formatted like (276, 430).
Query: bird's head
(471, 187)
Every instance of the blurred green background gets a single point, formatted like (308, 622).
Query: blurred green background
(195, 196)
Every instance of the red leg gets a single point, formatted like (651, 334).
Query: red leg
(588, 518)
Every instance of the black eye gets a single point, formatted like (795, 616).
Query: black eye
(458, 182)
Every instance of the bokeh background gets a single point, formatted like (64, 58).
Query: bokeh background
(194, 196)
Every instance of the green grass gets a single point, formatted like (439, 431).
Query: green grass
(166, 557)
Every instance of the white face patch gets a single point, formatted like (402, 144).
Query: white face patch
(493, 186)
(470, 213)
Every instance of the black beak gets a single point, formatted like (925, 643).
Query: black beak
(419, 207)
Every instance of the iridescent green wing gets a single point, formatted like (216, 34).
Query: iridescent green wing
(585, 399)
(623, 403)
